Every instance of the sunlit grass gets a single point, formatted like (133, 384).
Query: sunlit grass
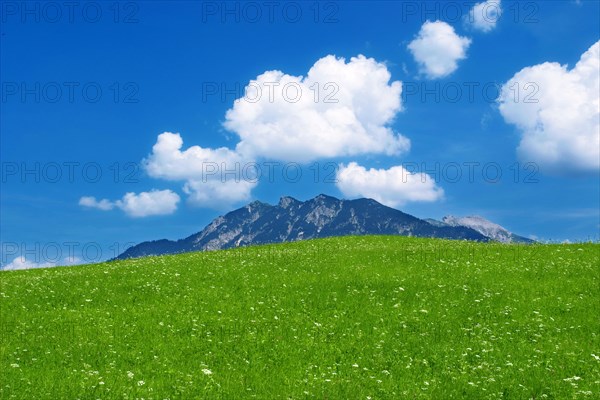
(340, 318)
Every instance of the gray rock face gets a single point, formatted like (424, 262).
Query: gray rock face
(291, 220)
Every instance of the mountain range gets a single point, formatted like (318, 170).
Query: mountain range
(322, 216)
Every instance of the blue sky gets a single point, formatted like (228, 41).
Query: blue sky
(422, 91)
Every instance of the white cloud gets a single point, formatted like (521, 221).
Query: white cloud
(218, 194)
(144, 204)
(437, 49)
(91, 202)
(339, 109)
(484, 16)
(155, 202)
(167, 161)
(393, 187)
(557, 111)
(21, 263)
(342, 108)
(213, 177)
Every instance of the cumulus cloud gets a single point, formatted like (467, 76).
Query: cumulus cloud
(217, 193)
(155, 202)
(393, 187)
(437, 49)
(144, 204)
(557, 111)
(21, 262)
(339, 109)
(91, 202)
(167, 161)
(213, 177)
(484, 16)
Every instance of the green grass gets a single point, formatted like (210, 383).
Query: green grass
(341, 318)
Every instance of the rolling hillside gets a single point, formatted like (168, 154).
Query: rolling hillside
(383, 317)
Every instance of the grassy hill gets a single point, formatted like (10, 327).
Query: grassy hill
(342, 318)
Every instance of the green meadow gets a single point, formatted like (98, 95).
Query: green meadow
(374, 317)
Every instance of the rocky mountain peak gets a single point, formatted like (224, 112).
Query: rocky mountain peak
(288, 201)
(323, 198)
(256, 205)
